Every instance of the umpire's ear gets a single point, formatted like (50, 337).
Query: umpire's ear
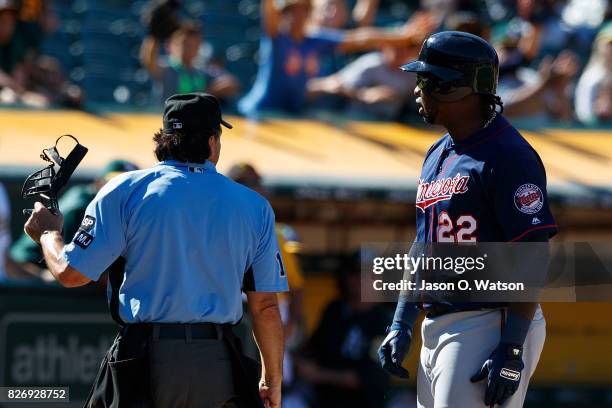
(214, 144)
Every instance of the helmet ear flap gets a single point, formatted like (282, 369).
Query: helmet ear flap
(484, 79)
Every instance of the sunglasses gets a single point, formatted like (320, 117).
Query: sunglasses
(426, 83)
(429, 83)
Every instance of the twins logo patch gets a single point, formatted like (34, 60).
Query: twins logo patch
(529, 199)
(510, 374)
(82, 239)
(88, 223)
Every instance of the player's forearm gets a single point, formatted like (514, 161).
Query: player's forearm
(406, 313)
(406, 310)
(268, 332)
(524, 309)
(518, 322)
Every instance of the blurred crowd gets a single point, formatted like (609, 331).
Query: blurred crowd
(28, 76)
(342, 56)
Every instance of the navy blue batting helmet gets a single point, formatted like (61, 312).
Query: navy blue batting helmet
(453, 64)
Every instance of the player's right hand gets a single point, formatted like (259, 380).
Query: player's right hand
(393, 350)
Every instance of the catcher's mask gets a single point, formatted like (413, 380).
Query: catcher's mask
(45, 184)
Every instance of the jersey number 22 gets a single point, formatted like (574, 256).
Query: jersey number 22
(462, 230)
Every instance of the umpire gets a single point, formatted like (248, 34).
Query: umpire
(181, 241)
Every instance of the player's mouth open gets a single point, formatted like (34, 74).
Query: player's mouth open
(419, 102)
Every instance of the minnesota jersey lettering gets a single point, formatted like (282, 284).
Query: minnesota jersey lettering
(429, 194)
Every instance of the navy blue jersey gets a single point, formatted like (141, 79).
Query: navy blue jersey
(490, 187)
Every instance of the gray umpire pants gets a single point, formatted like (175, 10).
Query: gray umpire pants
(188, 373)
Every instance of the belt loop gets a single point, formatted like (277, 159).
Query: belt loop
(219, 330)
(188, 333)
(155, 332)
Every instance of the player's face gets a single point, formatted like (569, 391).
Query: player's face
(428, 108)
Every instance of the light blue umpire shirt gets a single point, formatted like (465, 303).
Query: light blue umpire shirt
(190, 237)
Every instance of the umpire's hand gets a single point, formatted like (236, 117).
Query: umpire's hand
(393, 350)
(42, 220)
(270, 395)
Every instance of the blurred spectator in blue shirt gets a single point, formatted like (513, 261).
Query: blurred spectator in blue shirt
(290, 53)
(592, 100)
(181, 71)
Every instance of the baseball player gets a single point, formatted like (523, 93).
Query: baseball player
(188, 239)
(481, 182)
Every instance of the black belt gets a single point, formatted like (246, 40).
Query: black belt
(186, 331)
(441, 309)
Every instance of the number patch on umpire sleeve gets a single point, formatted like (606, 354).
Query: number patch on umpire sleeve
(88, 223)
(82, 239)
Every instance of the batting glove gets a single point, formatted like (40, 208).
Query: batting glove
(393, 350)
(503, 372)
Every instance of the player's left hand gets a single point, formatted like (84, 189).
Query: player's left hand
(42, 220)
(393, 350)
(503, 372)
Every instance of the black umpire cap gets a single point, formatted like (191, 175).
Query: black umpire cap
(192, 112)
